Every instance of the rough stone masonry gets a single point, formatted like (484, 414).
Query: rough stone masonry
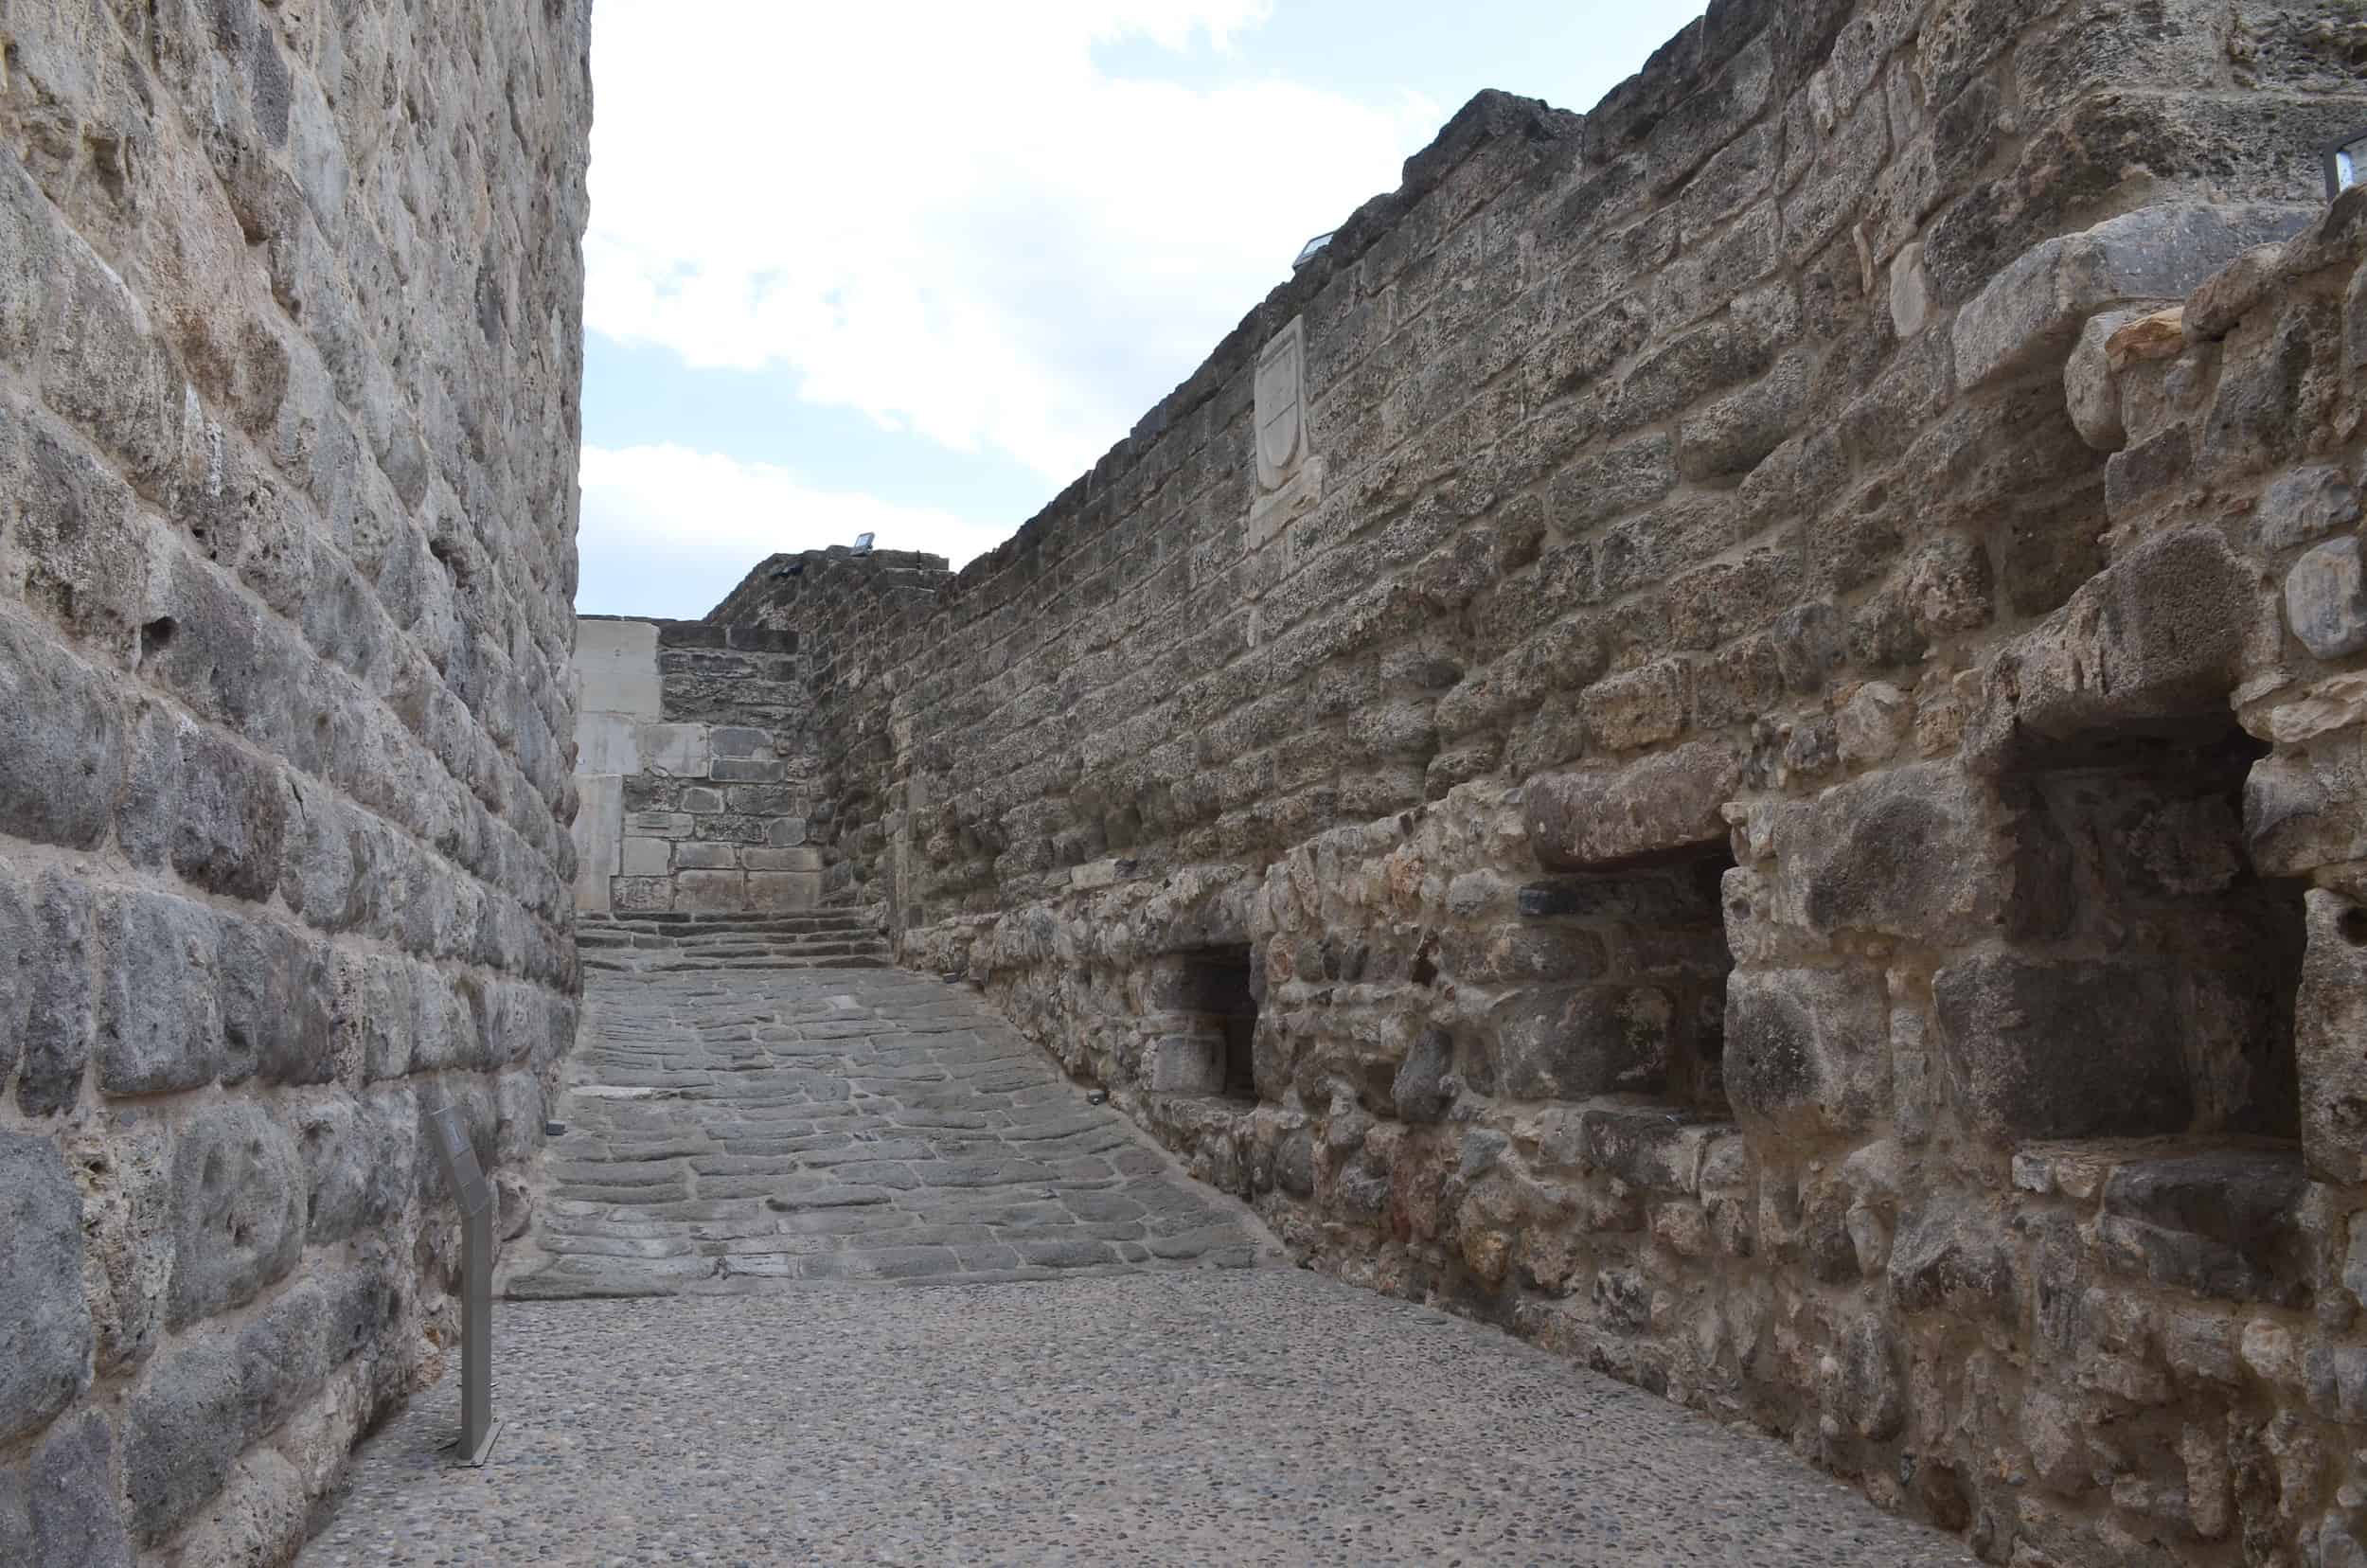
(1734, 734)
(290, 350)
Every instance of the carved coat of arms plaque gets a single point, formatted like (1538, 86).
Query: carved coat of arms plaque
(1280, 412)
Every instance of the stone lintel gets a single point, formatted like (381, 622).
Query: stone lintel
(1655, 806)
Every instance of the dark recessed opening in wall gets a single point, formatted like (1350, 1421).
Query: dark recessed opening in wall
(1215, 990)
(1650, 1015)
(2157, 890)
(1691, 954)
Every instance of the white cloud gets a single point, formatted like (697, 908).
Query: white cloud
(942, 214)
(668, 531)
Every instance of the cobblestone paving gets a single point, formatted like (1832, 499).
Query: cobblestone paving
(1261, 1416)
(797, 1141)
(729, 1132)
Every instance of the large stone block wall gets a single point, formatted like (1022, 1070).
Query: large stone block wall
(698, 761)
(1712, 739)
(290, 339)
(851, 613)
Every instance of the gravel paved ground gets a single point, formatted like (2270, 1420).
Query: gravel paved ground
(734, 1133)
(1234, 1417)
(753, 1158)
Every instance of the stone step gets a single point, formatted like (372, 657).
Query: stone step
(677, 964)
(763, 938)
(736, 928)
(687, 965)
(680, 920)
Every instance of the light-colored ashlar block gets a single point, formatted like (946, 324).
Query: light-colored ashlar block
(646, 857)
(617, 661)
(784, 890)
(678, 751)
(598, 827)
(606, 743)
(1187, 1065)
(710, 891)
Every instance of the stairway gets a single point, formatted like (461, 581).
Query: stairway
(654, 944)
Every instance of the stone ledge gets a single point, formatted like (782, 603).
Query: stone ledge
(1659, 805)
(2030, 314)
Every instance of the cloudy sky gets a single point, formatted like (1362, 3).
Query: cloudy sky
(908, 267)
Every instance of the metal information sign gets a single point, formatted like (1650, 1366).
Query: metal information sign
(477, 1427)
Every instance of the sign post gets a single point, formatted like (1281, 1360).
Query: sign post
(467, 1178)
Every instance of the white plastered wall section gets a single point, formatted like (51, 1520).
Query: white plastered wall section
(617, 684)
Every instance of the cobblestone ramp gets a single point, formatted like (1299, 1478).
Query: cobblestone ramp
(736, 1132)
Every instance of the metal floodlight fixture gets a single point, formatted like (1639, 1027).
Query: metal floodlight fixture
(1307, 252)
(862, 544)
(2342, 159)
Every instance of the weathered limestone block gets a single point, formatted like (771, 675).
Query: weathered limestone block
(1863, 1386)
(714, 891)
(238, 1200)
(160, 998)
(271, 1021)
(617, 660)
(785, 891)
(2159, 636)
(62, 1507)
(1921, 852)
(2089, 387)
(283, 1357)
(183, 1432)
(2306, 805)
(46, 1335)
(60, 1021)
(1569, 1042)
(1186, 1064)
(1807, 1051)
(358, 1154)
(1424, 1088)
(2030, 314)
(125, 1173)
(642, 895)
(1953, 1259)
(1651, 1149)
(678, 751)
(607, 743)
(2329, 1021)
(2070, 1049)
(1656, 805)
(2305, 504)
(2324, 602)
(61, 741)
(2224, 1224)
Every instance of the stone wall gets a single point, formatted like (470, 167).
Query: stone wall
(698, 762)
(1712, 738)
(851, 613)
(290, 340)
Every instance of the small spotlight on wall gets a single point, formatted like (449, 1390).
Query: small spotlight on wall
(2345, 160)
(862, 544)
(1307, 252)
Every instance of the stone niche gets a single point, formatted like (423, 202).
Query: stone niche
(1636, 1001)
(2148, 984)
(1630, 932)
(2152, 989)
(1202, 1014)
